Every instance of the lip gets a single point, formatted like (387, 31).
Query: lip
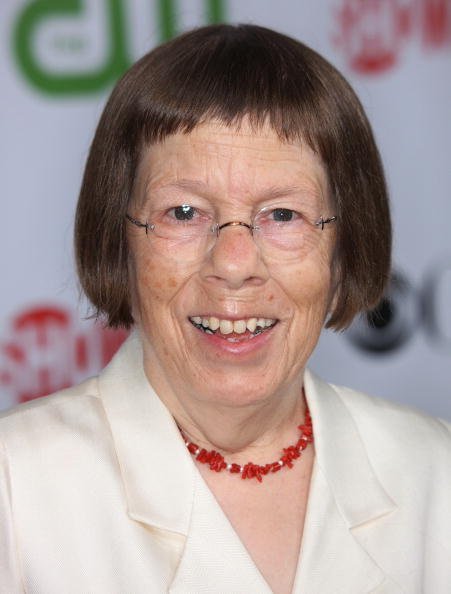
(220, 346)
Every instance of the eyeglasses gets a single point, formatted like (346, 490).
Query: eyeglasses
(280, 232)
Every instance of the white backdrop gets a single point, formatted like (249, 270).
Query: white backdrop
(58, 61)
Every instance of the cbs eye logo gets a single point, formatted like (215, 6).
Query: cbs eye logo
(406, 310)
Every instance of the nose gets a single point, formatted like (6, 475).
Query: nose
(235, 260)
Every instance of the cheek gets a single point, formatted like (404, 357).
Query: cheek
(154, 284)
(308, 289)
(145, 284)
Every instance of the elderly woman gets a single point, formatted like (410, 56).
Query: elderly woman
(233, 204)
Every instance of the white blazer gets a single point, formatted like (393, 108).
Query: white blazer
(98, 495)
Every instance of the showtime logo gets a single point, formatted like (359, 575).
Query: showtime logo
(372, 33)
(46, 351)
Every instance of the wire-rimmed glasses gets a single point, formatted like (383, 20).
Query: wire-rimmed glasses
(280, 232)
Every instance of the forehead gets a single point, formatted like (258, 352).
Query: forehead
(233, 160)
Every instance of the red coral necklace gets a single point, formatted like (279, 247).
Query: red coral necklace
(216, 461)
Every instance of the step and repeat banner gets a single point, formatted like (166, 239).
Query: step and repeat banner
(58, 62)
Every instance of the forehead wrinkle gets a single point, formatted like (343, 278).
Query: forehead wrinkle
(223, 170)
(276, 192)
(169, 174)
(241, 175)
(194, 186)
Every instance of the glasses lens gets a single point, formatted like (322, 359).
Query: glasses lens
(181, 222)
(286, 230)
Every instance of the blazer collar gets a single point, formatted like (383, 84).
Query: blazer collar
(157, 471)
(346, 502)
(342, 456)
(214, 559)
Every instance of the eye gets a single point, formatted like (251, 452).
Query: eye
(184, 212)
(284, 215)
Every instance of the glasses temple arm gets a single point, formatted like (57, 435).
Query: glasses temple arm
(138, 223)
(323, 222)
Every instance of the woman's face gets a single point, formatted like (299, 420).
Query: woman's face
(230, 174)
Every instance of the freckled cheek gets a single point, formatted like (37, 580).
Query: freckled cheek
(307, 291)
(152, 285)
(155, 278)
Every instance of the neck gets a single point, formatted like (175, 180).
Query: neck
(258, 429)
(236, 431)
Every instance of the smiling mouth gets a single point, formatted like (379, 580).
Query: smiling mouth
(233, 330)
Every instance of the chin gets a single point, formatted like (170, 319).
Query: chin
(236, 389)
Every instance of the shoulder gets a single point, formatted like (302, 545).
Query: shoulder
(378, 420)
(45, 405)
(400, 440)
(387, 417)
(58, 419)
(55, 447)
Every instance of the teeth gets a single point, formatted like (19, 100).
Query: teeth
(211, 324)
(226, 327)
(239, 326)
(251, 324)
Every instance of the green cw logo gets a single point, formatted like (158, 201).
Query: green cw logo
(63, 65)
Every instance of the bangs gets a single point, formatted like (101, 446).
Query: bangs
(228, 74)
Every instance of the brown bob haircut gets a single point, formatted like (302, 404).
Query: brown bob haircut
(226, 72)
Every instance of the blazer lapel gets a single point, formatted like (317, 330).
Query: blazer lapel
(331, 560)
(214, 560)
(156, 469)
(347, 505)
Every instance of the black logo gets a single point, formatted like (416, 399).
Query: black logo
(405, 310)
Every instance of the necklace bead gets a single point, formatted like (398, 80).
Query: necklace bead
(217, 463)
